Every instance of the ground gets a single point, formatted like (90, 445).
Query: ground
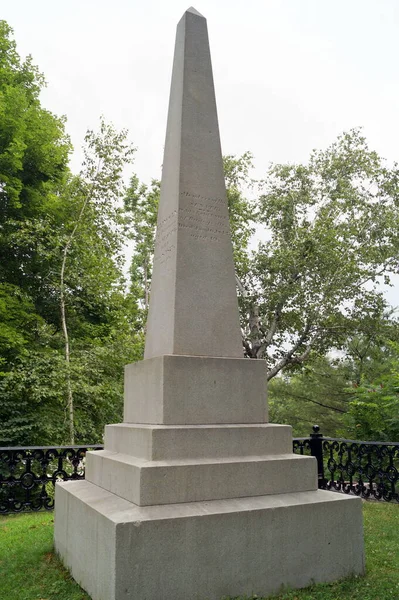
(29, 570)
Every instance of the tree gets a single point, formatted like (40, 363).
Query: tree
(331, 229)
(373, 410)
(243, 211)
(370, 351)
(97, 225)
(329, 232)
(66, 325)
(34, 150)
(331, 391)
(141, 204)
(317, 394)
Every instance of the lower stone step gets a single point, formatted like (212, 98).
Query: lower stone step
(239, 547)
(168, 482)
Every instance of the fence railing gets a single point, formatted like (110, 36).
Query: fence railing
(366, 469)
(28, 475)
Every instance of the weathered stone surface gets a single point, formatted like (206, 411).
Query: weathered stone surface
(80, 531)
(201, 550)
(171, 481)
(187, 390)
(167, 442)
(193, 306)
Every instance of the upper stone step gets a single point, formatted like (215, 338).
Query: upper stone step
(168, 442)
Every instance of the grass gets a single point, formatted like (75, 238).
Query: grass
(29, 570)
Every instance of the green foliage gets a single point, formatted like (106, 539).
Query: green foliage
(33, 409)
(242, 211)
(330, 232)
(18, 322)
(86, 246)
(62, 238)
(336, 393)
(33, 162)
(141, 205)
(332, 229)
(316, 395)
(373, 412)
(34, 153)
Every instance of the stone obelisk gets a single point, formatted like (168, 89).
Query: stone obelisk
(193, 309)
(196, 495)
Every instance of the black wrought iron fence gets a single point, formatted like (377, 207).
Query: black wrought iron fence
(366, 469)
(28, 475)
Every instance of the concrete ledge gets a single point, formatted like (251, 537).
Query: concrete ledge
(163, 442)
(206, 550)
(194, 390)
(168, 482)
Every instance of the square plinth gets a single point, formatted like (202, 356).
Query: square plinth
(190, 390)
(205, 550)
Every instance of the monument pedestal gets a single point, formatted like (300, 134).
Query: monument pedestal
(195, 495)
(117, 550)
(201, 511)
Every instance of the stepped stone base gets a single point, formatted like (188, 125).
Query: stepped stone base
(205, 550)
(208, 463)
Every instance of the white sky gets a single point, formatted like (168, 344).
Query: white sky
(290, 75)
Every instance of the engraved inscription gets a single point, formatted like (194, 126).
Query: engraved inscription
(164, 238)
(204, 218)
(206, 198)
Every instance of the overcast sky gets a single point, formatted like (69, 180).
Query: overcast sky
(290, 75)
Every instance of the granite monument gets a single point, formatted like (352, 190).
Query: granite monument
(196, 495)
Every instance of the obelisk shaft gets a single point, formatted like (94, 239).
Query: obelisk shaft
(193, 304)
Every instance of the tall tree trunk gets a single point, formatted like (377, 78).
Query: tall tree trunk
(69, 392)
(146, 290)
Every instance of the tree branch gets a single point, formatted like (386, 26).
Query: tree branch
(307, 399)
(289, 356)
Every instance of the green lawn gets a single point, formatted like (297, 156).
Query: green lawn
(30, 571)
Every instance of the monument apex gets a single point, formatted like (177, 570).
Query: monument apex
(195, 12)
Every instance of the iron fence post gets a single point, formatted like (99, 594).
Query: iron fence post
(316, 450)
